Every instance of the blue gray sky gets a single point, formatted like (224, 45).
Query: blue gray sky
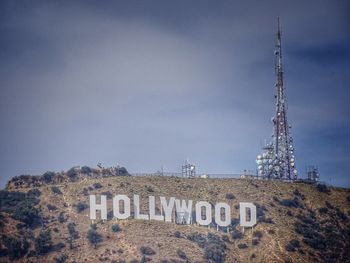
(147, 84)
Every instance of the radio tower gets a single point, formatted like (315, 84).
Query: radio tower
(277, 160)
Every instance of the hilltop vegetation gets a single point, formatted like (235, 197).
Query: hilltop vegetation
(46, 219)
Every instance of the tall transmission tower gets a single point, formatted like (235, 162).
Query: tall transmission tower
(277, 160)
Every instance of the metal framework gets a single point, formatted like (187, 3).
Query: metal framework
(188, 170)
(277, 160)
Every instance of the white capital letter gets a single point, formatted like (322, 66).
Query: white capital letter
(227, 212)
(167, 208)
(152, 210)
(207, 207)
(138, 215)
(116, 208)
(102, 207)
(243, 214)
(183, 211)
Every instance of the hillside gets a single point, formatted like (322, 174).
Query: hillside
(297, 222)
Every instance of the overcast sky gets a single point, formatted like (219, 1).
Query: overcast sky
(151, 83)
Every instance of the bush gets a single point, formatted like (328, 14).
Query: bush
(86, 170)
(322, 188)
(80, 207)
(97, 185)
(43, 243)
(255, 242)
(293, 245)
(147, 251)
(94, 237)
(116, 228)
(298, 194)
(214, 250)
(242, 246)
(177, 234)
(225, 238)
(230, 196)
(289, 213)
(21, 206)
(122, 171)
(291, 203)
(61, 258)
(258, 234)
(48, 177)
(56, 190)
(61, 218)
(16, 248)
(34, 192)
(72, 231)
(197, 238)
(73, 234)
(181, 254)
(28, 215)
(323, 210)
(237, 234)
(51, 207)
(329, 205)
(72, 174)
(275, 198)
(149, 189)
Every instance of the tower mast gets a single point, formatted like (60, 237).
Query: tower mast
(278, 160)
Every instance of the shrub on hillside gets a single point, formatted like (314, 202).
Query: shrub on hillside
(225, 238)
(16, 248)
(86, 170)
(197, 238)
(214, 249)
(34, 192)
(94, 237)
(61, 258)
(43, 243)
(147, 251)
(72, 231)
(297, 193)
(323, 210)
(255, 241)
(51, 207)
(322, 188)
(242, 246)
(291, 203)
(149, 189)
(329, 205)
(73, 234)
(293, 245)
(116, 228)
(72, 174)
(21, 206)
(28, 214)
(61, 218)
(181, 254)
(237, 234)
(80, 207)
(230, 196)
(97, 185)
(48, 177)
(56, 190)
(258, 234)
(177, 234)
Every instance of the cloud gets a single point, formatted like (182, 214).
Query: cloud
(147, 85)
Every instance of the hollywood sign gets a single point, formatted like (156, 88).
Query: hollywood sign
(183, 210)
